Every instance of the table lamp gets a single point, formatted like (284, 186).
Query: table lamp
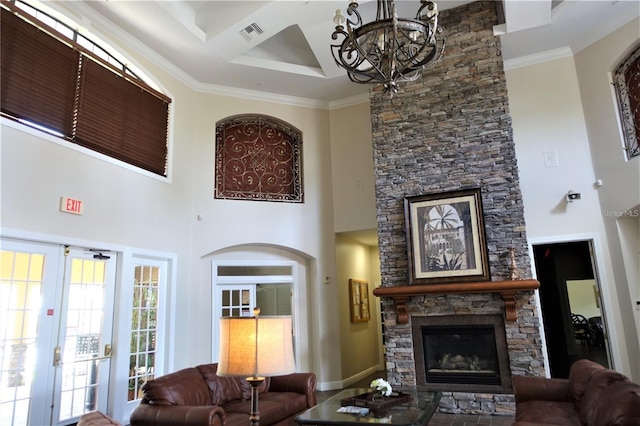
(255, 347)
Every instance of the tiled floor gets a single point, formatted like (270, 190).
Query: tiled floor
(438, 419)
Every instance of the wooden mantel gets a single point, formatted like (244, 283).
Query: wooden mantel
(507, 288)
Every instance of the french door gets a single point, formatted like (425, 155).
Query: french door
(56, 314)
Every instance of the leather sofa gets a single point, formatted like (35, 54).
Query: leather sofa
(592, 395)
(197, 396)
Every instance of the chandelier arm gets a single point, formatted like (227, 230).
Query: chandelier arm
(353, 10)
(389, 49)
(433, 11)
(348, 49)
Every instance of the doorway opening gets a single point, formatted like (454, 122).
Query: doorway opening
(275, 279)
(572, 311)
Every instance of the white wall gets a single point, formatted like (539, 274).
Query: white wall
(354, 197)
(547, 108)
(127, 208)
(306, 227)
(620, 194)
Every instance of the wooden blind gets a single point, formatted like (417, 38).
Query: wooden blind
(120, 119)
(38, 75)
(55, 83)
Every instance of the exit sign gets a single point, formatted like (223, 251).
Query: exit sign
(71, 205)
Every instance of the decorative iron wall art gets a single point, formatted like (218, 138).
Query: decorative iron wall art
(258, 158)
(445, 237)
(626, 80)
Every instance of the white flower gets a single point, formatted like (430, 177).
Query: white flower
(381, 386)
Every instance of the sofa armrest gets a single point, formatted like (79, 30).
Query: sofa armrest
(304, 383)
(172, 415)
(528, 388)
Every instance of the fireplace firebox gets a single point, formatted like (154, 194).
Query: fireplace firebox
(461, 353)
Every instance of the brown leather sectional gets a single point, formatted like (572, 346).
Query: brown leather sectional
(592, 396)
(197, 396)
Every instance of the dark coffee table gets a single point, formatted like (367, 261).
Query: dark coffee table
(418, 411)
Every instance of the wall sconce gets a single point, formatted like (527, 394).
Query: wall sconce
(572, 196)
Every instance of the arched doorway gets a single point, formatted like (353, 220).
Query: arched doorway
(276, 279)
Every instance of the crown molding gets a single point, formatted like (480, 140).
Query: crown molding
(537, 58)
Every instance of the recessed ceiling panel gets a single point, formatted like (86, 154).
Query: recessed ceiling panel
(288, 46)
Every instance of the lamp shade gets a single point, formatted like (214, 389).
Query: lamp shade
(256, 346)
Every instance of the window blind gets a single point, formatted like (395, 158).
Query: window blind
(38, 75)
(52, 82)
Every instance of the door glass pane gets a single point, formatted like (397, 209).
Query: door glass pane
(274, 299)
(236, 302)
(83, 338)
(21, 277)
(142, 358)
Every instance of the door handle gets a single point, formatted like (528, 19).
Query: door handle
(57, 356)
(107, 350)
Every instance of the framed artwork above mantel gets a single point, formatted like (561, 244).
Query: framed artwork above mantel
(446, 238)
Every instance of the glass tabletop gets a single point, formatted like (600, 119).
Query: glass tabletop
(417, 411)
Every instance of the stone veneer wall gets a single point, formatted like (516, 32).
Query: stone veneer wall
(452, 130)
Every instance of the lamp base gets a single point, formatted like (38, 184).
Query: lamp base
(255, 383)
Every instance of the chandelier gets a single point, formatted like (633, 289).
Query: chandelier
(390, 49)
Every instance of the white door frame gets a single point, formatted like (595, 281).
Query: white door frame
(128, 256)
(106, 335)
(300, 337)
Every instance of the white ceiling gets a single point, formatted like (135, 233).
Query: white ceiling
(200, 42)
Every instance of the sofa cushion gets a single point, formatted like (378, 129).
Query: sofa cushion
(246, 387)
(237, 418)
(600, 381)
(183, 387)
(618, 406)
(579, 376)
(223, 389)
(547, 412)
(280, 405)
(272, 406)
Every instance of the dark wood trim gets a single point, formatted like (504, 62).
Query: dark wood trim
(507, 289)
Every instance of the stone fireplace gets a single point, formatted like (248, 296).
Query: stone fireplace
(448, 131)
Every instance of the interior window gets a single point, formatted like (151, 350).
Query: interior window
(74, 89)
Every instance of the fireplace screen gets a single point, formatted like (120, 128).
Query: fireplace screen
(463, 354)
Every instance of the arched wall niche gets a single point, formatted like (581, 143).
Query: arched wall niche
(270, 257)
